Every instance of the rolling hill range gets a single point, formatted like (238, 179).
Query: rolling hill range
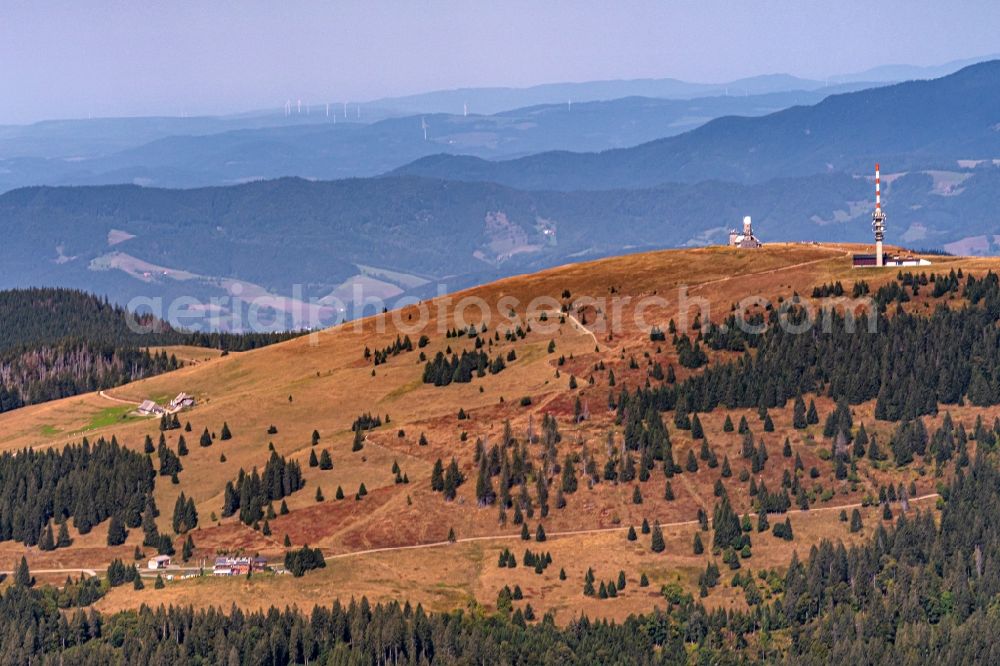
(404, 236)
(918, 124)
(191, 152)
(592, 423)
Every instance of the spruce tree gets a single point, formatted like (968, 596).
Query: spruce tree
(799, 421)
(325, 462)
(692, 462)
(812, 416)
(116, 531)
(856, 521)
(206, 439)
(63, 540)
(225, 433)
(656, 543)
(22, 575)
(47, 541)
(697, 432)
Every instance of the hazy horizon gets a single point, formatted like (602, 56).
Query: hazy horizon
(186, 58)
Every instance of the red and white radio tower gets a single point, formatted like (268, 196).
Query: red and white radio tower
(878, 220)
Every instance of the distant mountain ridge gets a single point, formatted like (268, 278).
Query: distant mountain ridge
(906, 125)
(195, 152)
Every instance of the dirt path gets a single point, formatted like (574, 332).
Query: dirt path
(89, 572)
(599, 530)
(503, 537)
(767, 272)
(583, 328)
(112, 398)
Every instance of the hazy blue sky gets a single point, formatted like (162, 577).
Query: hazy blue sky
(81, 57)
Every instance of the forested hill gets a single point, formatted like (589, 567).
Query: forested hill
(56, 343)
(35, 317)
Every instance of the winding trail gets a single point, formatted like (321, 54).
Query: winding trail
(112, 398)
(599, 530)
(584, 329)
(492, 537)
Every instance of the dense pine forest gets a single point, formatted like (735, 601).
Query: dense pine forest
(908, 363)
(83, 482)
(56, 343)
(919, 591)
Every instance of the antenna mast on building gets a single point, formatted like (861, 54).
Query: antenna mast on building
(878, 219)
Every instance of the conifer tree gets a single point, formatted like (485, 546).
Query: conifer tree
(656, 543)
(812, 416)
(325, 462)
(799, 421)
(116, 531)
(22, 575)
(437, 476)
(856, 521)
(63, 540)
(692, 462)
(697, 432)
(225, 433)
(47, 541)
(206, 439)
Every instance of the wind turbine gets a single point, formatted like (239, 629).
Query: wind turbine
(465, 109)
(424, 126)
(299, 107)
